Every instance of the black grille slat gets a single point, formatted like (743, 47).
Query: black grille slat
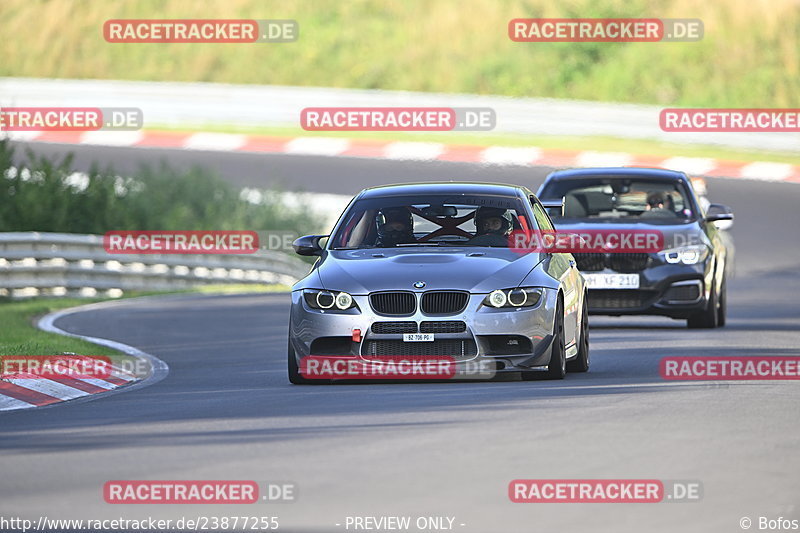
(444, 302)
(394, 328)
(627, 262)
(456, 348)
(393, 303)
(623, 262)
(590, 262)
(443, 326)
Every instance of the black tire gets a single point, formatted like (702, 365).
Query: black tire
(557, 368)
(722, 310)
(558, 338)
(707, 318)
(581, 362)
(294, 372)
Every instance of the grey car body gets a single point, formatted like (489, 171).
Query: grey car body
(509, 339)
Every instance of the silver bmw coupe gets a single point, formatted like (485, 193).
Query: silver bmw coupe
(425, 271)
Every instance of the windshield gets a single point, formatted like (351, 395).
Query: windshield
(426, 220)
(603, 197)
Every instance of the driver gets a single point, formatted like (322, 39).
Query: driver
(492, 225)
(395, 226)
(656, 202)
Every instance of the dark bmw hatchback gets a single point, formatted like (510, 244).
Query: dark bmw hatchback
(684, 280)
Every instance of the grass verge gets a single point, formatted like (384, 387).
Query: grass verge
(748, 56)
(20, 336)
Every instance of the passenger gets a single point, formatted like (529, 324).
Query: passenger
(493, 226)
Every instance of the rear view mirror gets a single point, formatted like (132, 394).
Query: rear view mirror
(621, 187)
(440, 211)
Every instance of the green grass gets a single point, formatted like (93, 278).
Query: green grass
(19, 335)
(242, 288)
(596, 143)
(749, 56)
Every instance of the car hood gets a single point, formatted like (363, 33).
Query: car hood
(472, 269)
(675, 235)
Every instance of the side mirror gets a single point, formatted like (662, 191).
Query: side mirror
(308, 245)
(554, 207)
(718, 212)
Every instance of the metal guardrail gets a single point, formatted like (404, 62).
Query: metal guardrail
(64, 264)
(198, 105)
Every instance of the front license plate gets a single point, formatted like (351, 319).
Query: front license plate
(417, 337)
(612, 281)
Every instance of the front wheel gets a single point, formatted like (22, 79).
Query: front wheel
(722, 311)
(295, 377)
(708, 318)
(581, 362)
(557, 368)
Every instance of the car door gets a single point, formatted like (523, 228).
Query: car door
(564, 268)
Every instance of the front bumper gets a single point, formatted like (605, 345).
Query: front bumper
(664, 289)
(506, 340)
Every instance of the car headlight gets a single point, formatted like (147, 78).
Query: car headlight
(344, 301)
(688, 255)
(321, 299)
(517, 297)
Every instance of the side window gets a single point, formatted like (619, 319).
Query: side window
(542, 220)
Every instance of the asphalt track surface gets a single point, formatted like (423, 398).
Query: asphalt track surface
(226, 411)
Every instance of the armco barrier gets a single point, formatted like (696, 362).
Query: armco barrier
(64, 264)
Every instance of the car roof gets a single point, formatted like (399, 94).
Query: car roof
(445, 187)
(617, 172)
